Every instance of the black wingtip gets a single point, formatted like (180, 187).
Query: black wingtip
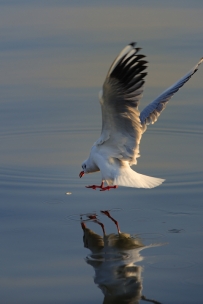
(138, 49)
(132, 44)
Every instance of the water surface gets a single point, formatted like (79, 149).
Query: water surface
(54, 58)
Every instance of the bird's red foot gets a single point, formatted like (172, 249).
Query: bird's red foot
(101, 187)
(94, 187)
(108, 188)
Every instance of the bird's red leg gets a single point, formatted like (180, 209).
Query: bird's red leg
(108, 214)
(101, 187)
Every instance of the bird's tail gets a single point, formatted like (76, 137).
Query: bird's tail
(130, 178)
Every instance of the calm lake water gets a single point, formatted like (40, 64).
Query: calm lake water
(54, 58)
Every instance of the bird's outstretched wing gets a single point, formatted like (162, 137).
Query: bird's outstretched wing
(122, 90)
(150, 114)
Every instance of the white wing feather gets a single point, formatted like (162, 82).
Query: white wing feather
(122, 90)
(151, 113)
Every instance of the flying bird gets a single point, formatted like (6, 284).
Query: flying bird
(117, 149)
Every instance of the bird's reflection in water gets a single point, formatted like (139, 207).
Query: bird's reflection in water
(114, 258)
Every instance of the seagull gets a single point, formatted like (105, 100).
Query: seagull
(117, 149)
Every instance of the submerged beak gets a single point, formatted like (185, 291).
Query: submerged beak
(81, 174)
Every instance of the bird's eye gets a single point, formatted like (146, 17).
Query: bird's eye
(84, 166)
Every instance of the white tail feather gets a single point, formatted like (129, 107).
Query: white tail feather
(130, 178)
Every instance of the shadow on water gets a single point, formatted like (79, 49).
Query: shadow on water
(115, 259)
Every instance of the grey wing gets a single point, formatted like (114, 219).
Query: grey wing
(151, 113)
(122, 90)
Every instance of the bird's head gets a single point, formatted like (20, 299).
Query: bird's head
(88, 166)
(85, 169)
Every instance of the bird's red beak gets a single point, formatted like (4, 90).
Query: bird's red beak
(81, 174)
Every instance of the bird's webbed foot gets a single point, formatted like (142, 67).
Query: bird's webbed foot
(108, 188)
(101, 187)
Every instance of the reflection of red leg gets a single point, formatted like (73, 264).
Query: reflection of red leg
(83, 225)
(102, 225)
(92, 216)
(101, 187)
(95, 220)
(108, 214)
